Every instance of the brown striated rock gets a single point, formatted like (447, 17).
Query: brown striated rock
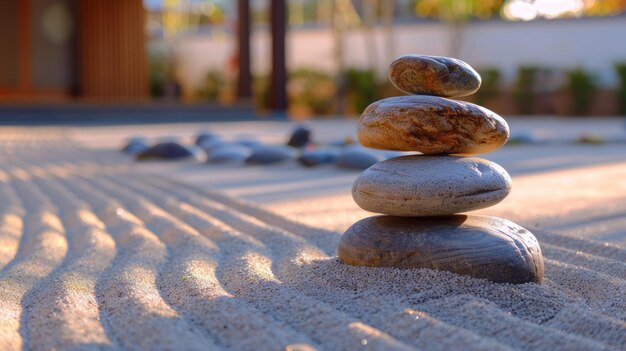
(431, 125)
(420, 186)
(482, 247)
(433, 75)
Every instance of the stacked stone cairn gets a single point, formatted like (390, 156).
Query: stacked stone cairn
(421, 195)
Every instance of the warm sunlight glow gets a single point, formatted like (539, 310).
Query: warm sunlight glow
(525, 10)
(519, 10)
(557, 8)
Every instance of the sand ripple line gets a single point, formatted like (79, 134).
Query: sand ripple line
(128, 292)
(62, 312)
(326, 240)
(190, 283)
(257, 284)
(42, 248)
(11, 220)
(290, 250)
(600, 264)
(607, 250)
(404, 325)
(597, 289)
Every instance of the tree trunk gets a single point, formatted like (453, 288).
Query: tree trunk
(278, 80)
(338, 27)
(369, 15)
(456, 38)
(244, 75)
(387, 12)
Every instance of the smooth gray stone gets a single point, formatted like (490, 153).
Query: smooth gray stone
(358, 158)
(135, 145)
(205, 136)
(481, 247)
(229, 153)
(209, 145)
(420, 186)
(269, 154)
(522, 138)
(167, 151)
(318, 157)
(300, 137)
(250, 143)
(433, 75)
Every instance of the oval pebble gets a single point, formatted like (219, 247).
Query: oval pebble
(431, 125)
(167, 151)
(135, 145)
(318, 157)
(205, 136)
(482, 247)
(358, 158)
(433, 75)
(269, 154)
(300, 137)
(229, 153)
(250, 143)
(419, 185)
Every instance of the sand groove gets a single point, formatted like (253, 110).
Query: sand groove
(129, 295)
(11, 220)
(190, 284)
(251, 260)
(96, 255)
(42, 248)
(382, 309)
(68, 296)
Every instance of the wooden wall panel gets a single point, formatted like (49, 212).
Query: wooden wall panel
(112, 50)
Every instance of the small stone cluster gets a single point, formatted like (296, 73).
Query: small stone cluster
(420, 195)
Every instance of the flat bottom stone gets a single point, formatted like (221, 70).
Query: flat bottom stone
(479, 246)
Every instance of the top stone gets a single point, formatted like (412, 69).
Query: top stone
(433, 75)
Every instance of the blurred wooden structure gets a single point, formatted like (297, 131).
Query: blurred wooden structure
(112, 58)
(95, 50)
(56, 49)
(277, 94)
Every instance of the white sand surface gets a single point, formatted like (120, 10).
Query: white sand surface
(100, 253)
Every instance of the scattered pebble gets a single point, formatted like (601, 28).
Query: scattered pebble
(358, 158)
(167, 151)
(270, 154)
(300, 137)
(318, 157)
(229, 153)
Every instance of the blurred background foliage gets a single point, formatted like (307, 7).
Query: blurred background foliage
(535, 89)
(313, 92)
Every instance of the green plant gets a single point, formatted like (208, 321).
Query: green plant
(360, 87)
(620, 68)
(524, 92)
(489, 86)
(212, 86)
(590, 139)
(260, 90)
(158, 72)
(386, 89)
(582, 88)
(314, 89)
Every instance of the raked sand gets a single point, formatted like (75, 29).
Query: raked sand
(98, 253)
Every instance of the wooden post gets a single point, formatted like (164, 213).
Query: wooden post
(244, 75)
(112, 54)
(278, 82)
(24, 49)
